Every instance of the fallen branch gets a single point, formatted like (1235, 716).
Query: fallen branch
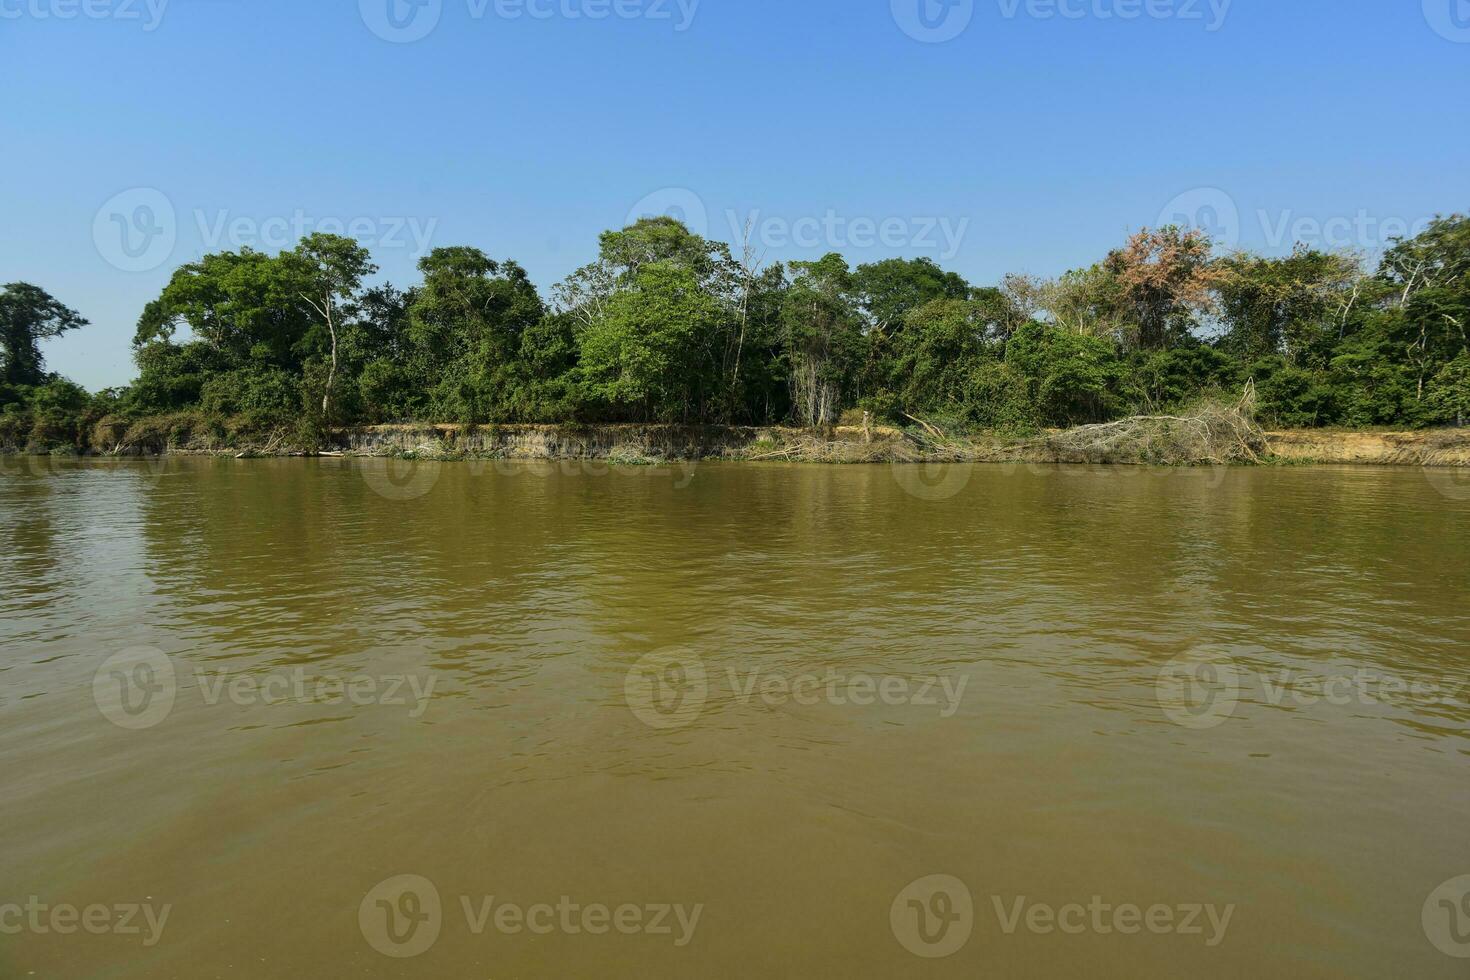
(933, 430)
(270, 447)
(1217, 433)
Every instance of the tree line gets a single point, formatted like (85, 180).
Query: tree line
(668, 327)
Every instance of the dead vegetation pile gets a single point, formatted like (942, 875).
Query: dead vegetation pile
(1215, 432)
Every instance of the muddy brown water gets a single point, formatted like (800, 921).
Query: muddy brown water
(348, 718)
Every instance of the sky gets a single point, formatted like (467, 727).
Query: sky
(992, 136)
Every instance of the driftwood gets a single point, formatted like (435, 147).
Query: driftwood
(1215, 432)
(933, 430)
(269, 448)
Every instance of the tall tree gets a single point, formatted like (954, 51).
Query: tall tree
(824, 338)
(246, 305)
(331, 269)
(29, 315)
(655, 351)
(621, 254)
(1430, 277)
(1165, 281)
(890, 289)
(468, 319)
(1288, 306)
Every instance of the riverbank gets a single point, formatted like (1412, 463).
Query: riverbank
(1186, 441)
(1430, 447)
(851, 444)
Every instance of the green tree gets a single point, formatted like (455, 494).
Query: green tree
(889, 290)
(653, 354)
(1085, 301)
(246, 305)
(467, 322)
(1073, 379)
(381, 357)
(1449, 393)
(824, 338)
(756, 356)
(1293, 396)
(29, 315)
(1295, 306)
(621, 254)
(937, 351)
(1429, 281)
(172, 376)
(1173, 377)
(330, 269)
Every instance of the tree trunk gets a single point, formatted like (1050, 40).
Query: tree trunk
(332, 371)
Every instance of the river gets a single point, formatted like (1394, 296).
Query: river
(354, 718)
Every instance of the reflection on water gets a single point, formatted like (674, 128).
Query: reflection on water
(352, 718)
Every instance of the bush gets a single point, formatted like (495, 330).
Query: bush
(171, 376)
(265, 394)
(1073, 378)
(1370, 391)
(45, 418)
(1175, 377)
(158, 433)
(15, 427)
(1448, 401)
(1290, 396)
(999, 399)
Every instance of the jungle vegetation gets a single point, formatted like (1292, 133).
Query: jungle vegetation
(668, 327)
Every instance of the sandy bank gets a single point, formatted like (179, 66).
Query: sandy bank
(1433, 447)
(877, 444)
(1440, 447)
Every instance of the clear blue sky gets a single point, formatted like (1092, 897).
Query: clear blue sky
(1043, 139)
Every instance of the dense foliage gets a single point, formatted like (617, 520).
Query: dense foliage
(666, 326)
